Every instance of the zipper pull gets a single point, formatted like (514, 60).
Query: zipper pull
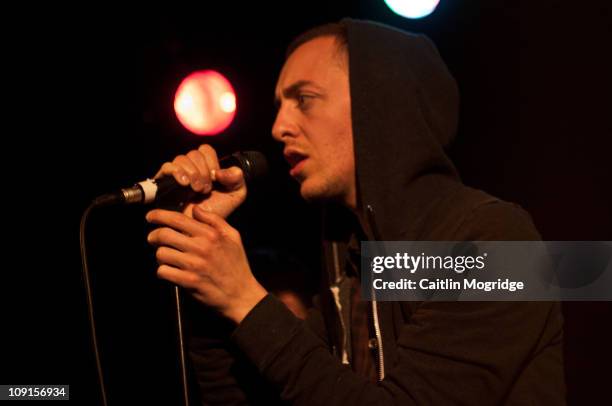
(371, 214)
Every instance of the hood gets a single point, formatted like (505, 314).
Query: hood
(405, 106)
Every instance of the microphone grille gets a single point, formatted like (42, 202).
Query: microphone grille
(254, 164)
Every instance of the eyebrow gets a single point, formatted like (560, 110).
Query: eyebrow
(293, 90)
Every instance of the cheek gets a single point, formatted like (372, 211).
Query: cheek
(345, 150)
(344, 136)
(333, 140)
(337, 151)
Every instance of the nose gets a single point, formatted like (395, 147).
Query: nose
(284, 126)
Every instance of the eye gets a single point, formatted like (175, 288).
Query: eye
(303, 100)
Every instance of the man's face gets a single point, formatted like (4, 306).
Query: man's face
(314, 121)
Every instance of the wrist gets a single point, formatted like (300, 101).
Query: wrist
(239, 310)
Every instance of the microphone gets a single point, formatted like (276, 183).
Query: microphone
(253, 164)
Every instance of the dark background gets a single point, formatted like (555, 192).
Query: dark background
(91, 92)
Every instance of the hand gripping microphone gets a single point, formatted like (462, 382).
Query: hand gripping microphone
(252, 163)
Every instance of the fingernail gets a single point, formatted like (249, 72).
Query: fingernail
(198, 184)
(149, 237)
(185, 179)
(213, 175)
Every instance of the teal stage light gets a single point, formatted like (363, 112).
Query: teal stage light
(412, 8)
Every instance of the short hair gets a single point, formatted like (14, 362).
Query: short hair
(336, 30)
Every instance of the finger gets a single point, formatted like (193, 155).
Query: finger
(231, 178)
(170, 169)
(177, 221)
(200, 162)
(181, 260)
(188, 166)
(209, 218)
(185, 279)
(212, 160)
(171, 238)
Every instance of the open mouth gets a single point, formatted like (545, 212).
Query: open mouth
(294, 159)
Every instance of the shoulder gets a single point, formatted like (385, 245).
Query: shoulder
(470, 214)
(498, 220)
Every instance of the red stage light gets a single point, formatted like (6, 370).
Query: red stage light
(205, 102)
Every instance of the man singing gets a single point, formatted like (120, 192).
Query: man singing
(365, 113)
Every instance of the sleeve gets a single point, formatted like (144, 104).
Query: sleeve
(447, 352)
(224, 375)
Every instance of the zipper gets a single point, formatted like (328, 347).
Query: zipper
(335, 289)
(381, 358)
(377, 332)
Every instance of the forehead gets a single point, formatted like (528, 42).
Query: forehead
(315, 60)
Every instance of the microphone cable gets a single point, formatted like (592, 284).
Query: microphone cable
(101, 202)
(89, 296)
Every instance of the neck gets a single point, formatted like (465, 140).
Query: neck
(356, 207)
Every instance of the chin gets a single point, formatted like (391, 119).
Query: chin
(309, 195)
(312, 191)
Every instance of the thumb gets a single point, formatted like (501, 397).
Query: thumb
(232, 178)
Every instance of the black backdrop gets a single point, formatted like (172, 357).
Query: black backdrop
(93, 97)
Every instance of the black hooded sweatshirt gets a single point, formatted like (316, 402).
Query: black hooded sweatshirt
(404, 114)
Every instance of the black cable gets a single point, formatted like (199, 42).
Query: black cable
(181, 339)
(87, 280)
(105, 201)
